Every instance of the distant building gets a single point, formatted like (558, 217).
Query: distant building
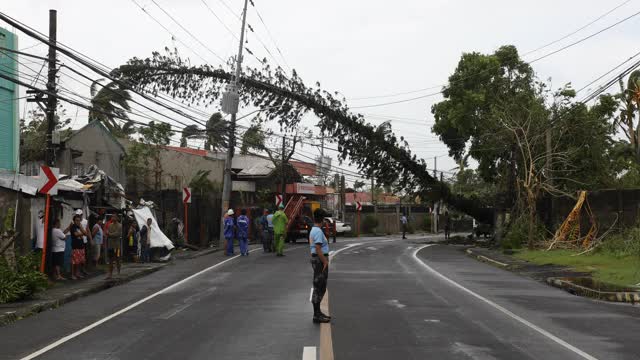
(92, 144)
(9, 117)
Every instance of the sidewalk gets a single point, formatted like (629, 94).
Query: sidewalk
(63, 292)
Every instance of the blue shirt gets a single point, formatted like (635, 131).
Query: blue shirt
(243, 226)
(97, 238)
(316, 236)
(270, 221)
(228, 227)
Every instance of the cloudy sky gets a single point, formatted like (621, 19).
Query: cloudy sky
(366, 49)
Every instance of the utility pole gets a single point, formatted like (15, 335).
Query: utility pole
(282, 169)
(373, 197)
(52, 101)
(336, 182)
(343, 197)
(230, 103)
(322, 159)
(435, 167)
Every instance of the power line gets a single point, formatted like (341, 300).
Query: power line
(398, 102)
(585, 38)
(170, 33)
(609, 72)
(530, 62)
(219, 20)
(577, 30)
(188, 32)
(270, 34)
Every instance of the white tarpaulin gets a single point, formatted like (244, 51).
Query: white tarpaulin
(158, 238)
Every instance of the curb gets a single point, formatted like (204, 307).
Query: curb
(487, 259)
(575, 289)
(45, 305)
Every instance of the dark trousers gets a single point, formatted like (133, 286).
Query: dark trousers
(319, 280)
(404, 231)
(267, 240)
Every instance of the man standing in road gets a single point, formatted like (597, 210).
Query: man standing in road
(320, 263)
(243, 232)
(115, 244)
(145, 241)
(280, 221)
(404, 221)
(229, 225)
(447, 226)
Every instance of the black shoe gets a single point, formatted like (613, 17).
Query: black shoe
(325, 316)
(320, 319)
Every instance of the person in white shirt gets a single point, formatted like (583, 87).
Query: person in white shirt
(84, 223)
(40, 232)
(404, 221)
(59, 243)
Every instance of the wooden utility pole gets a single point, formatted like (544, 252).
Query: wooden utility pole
(282, 169)
(373, 197)
(343, 197)
(52, 101)
(435, 167)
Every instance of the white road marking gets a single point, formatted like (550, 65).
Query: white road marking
(372, 248)
(124, 310)
(396, 303)
(334, 253)
(309, 353)
(310, 294)
(432, 320)
(521, 320)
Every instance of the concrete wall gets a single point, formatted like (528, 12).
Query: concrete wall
(389, 219)
(619, 207)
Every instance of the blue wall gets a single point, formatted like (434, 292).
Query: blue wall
(9, 124)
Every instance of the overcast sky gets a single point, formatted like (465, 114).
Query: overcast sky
(362, 48)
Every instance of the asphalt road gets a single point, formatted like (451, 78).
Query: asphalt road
(390, 299)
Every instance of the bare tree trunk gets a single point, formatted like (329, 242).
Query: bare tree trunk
(532, 220)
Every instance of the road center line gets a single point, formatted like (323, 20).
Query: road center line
(309, 353)
(124, 310)
(521, 320)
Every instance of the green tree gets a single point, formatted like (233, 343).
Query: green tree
(253, 138)
(217, 133)
(201, 184)
(110, 105)
(630, 112)
(33, 133)
(144, 156)
(481, 89)
(358, 185)
(187, 132)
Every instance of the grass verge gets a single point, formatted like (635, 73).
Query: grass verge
(605, 267)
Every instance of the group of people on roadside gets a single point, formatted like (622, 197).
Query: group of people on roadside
(88, 240)
(272, 230)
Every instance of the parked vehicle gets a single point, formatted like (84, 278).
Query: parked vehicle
(483, 229)
(300, 228)
(339, 226)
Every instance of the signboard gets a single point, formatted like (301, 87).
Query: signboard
(49, 179)
(278, 200)
(358, 206)
(304, 188)
(186, 195)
